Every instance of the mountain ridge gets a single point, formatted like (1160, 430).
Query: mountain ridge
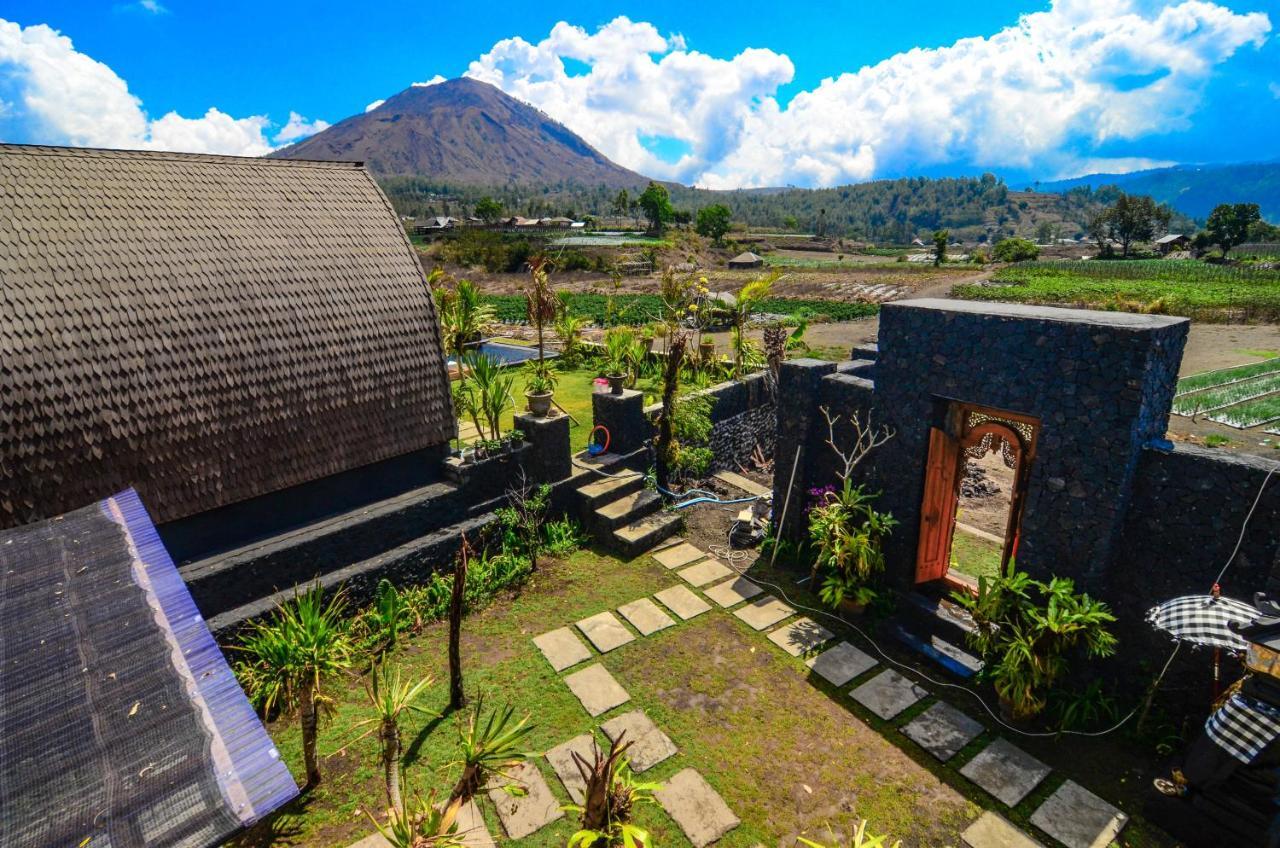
(1194, 189)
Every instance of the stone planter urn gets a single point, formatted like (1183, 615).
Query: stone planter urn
(539, 403)
(616, 383)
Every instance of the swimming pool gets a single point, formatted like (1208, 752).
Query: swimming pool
(507, 354)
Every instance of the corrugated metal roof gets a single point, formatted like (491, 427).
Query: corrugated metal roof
(203, 328)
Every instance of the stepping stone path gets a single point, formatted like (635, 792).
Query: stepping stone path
(682, 602)
(1006, 771)
(561, 648)
(888, 694)
(840, 664)
(605, 632)
(801, 636)
(1077, 818)
(732, 592)
(707, 571)
(561, 759)
(527, 813)
(994, 831)
(765, 612)
(942, 730)
(646, 616)
(697, 808)
(596, 689)
(678, 555)
(648, 745)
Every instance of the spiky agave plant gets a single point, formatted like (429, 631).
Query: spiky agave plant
(391, 699)
(290, 655)
(610, 798)
(861, 839)
(489, 745)
(427, 825)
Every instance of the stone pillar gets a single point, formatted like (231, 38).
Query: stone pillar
(623, 416)
(799, 390)
(547, 458)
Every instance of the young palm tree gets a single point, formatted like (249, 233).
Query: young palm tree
(463, 315)
(391, 699)
(609, 800)
(489, 746)
(748, 299)
(291, 655)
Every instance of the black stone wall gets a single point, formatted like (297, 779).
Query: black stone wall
(743, 416)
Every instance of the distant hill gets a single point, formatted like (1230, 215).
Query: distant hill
(1195, 189)
(464, 132)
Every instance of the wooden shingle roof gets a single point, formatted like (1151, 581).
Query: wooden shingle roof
(205, 329)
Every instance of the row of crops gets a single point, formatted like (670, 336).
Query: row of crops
(1244, 396)
(1187, 287)
(610, 310)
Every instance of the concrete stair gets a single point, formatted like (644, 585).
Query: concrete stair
(936, 629)
(637, 537)
(617, 509)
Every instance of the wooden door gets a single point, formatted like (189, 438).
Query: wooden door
(938, 510)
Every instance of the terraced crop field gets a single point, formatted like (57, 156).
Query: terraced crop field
(1187, 287)
(1245, 396)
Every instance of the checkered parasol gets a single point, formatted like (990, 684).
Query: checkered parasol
(1203, 620)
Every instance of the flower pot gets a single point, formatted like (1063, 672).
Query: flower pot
(468, 456)
(616, 382)
(707, 350)
(851, 607)
(1008, 716)
(539, 403)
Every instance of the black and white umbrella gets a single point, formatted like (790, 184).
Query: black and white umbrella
(1204, 620)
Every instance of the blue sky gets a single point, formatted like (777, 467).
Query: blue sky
(721, 95)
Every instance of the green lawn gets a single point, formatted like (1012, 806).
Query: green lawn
(974, 556)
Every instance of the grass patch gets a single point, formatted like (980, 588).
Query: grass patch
(1217, 440)
(974, 556)
(573, 393)
(1165, 286)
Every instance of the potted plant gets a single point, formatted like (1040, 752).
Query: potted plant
(847, 533)
(647, 334)
(514, 438)
(1025, 631)
(539, 386)
(618, 343)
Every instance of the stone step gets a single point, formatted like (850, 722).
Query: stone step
(409, 563)
(858, 368)
(940, 616)
(626, 509)
(865, 350)
(954, 659)
(636, 538)
(606, 489)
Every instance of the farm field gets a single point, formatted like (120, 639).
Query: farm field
(643, 308)
(1241, 397)
(1166, 286)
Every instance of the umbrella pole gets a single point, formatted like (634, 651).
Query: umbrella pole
(1217, 673)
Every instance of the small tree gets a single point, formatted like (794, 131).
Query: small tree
(747, 301)
(489, 746)
(940, 247)
(656, 203)
(1229, 224)
(391, 699)
(523, 517)
(664, 446)
(457, 697)
(610, 797)
(713, 221)
(292, 654)
(622, 203)
(541, 308)
(1015, 250)
(488, 210)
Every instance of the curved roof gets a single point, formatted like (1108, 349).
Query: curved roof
(204, 328)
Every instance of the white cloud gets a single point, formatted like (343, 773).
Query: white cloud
(62, 96)
(1274, 88)
(1047, 93)
(374, 105)
(435, 80)
(152, 6)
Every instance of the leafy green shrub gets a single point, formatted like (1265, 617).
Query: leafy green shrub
(847, 534)
(1016, 250)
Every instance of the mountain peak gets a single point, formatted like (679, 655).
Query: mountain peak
(463, 131)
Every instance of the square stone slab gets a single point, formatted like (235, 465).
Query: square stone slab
(699, 810)
(561, 648)
(1079, 819)
(528, 813)
(682, 602)
(605, 632)
(1006, 771)
(596, 689)
(840, 663)
(764, 612)
(648, 745)
(678, 555)
(646, 616)
(942, 730)
(561, 759)
(994, 831)
(707, 571)
(801, 637)
(471, 827)
(733, 591)
(888, 694)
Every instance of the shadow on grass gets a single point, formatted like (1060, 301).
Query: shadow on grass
(411, 753)
(280, 828)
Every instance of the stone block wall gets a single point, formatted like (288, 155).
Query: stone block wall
(743, 415)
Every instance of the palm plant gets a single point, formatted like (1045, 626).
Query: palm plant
(610, 797)
(619, 344)
(428, 825)
(489, 392)
(489, 745)
(745, 353)
(391, 699)
(1026, 629)
(568, 329)
(290, 655)
(464, 316)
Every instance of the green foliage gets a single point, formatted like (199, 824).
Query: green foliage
(484, 392)
(539, 376)
(691, 424)
(1198, 290)
(1229, 224)
(1015, 250)
(425, 825)
(610, 797)
(1088, 709)
(637, 309)
(656, 203)
(522, 518)
(1027, 628)
(713, 221)
(488, 210)
(861, 839)
(464, 314)
(847, 534)
(378, 628)
(1132, 218)
(489, 746)
(747, 301)
(496, 251)
(940, 239)
(391, 699)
